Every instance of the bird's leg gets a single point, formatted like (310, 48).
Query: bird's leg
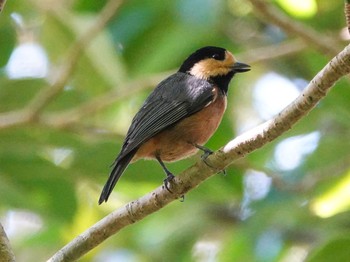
(169, 175)
(207, 152)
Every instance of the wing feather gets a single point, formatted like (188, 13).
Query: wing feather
(177, 97)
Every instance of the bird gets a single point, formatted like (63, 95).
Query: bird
(180, 114)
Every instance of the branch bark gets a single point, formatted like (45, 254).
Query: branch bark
(199, 172)
(6, 253)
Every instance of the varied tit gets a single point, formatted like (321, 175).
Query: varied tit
(181, 113)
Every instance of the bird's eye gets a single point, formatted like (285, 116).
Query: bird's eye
(216, 56)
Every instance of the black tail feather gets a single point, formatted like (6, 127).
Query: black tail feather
(117, 171)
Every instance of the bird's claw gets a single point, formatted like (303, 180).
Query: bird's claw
(207, 153)
(223, 171)
(167, 181)
(182, 198)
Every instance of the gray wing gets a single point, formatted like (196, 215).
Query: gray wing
(175, 98)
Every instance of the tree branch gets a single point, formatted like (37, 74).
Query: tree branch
(6, 253)
(324, 44)
(199, 172)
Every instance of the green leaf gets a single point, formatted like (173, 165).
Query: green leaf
(336, 250)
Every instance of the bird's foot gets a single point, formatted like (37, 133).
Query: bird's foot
(223, 171)
(182, 198)
(169, 175)
(167, 181)
(207, 153)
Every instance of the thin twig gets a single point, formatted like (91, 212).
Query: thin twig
(2, 5)
(43, 98)
(323, 43)
(62, 120)
(347, 14)
(193, 176)
(6, 253)
(47, 95)
(14, 118)
(272, 51)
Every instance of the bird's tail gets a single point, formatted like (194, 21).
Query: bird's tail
(117, 171)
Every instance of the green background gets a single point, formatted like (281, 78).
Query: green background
(51, 174)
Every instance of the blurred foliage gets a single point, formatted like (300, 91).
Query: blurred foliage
(51, 176)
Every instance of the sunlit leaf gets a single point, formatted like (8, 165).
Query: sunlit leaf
(336, 200)
(299, 8)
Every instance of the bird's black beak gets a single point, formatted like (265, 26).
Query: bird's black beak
(239, 67)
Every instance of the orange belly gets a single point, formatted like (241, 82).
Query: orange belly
(176, 142)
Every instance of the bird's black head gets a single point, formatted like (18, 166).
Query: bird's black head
(213, 64)
(217, 53)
